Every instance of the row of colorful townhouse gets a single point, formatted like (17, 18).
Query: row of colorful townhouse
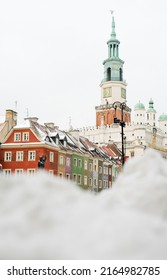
(32, 146)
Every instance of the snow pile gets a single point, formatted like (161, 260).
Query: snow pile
(42, 217)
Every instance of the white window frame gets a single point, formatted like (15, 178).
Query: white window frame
(51, 156)
(95, 182)
(61, 160)
(79, 163)
(68, 161)
(100, 184)
(31, 171)
(25, 136)
(8, 156)
(90, 166)
(18, 171)
(85, 164)
(7, 171)
(31, 155)
(75, 162)
(79, 179)
(17, 136)
(85, 180)
(68, 176)
(90, 182)
(75, 177)
(19, 156)
(100, 169)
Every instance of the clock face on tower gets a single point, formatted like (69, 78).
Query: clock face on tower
(107, 92)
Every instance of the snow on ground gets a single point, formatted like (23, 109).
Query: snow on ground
(43, 217)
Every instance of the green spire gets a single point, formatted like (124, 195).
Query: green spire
(113, 34)
(151, 104)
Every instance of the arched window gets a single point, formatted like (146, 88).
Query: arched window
(108, 74)
(120, 74)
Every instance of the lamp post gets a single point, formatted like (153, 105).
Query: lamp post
(41, 162)
(122, 106)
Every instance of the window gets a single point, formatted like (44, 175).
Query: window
(110, 171)
(68, 176)
(79, 179)
(17, 136)
(90, 166)
(86, 164)
(95, 182)
(51, 157)
(19, 156)
(68, 161)
(8, 156)
(100, 184)
(90, 182)
(61, 160)
(106, 170)
(105, 184)
(31, 155)
(25, 136)
(95, 167)
(7, 171)
(79, 163)
(75, 161)
(132, 154)
(100, 169)
(18, 171)
(51, 172)
(75, 177)
(30, 171)
(85, 180)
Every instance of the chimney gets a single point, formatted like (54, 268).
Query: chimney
(33, 119)
(11, 118)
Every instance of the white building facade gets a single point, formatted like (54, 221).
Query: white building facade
(141, 132)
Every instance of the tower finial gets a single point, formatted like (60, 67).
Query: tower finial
(113, 34)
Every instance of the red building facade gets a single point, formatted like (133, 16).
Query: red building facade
(22, 150)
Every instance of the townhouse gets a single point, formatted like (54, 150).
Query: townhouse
(32, 146)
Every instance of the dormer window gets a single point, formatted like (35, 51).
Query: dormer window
(25, 136)
(17, 136)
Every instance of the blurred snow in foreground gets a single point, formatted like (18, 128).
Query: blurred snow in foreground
(43, 217)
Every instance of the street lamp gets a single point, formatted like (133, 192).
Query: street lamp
(41, 162)
(121, 122)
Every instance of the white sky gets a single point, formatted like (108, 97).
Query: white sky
(51, 55)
